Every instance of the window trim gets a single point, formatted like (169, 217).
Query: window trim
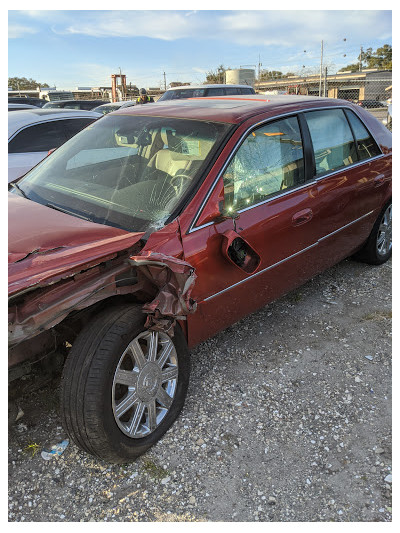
(313, 180)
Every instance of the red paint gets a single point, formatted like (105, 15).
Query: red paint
(295, 235)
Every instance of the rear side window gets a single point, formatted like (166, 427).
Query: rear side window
(73, 126)
(215, 91)
(332, 140)
(269, 160)
(231, 90)
(366, 145)
(39, 138)
(244, 90)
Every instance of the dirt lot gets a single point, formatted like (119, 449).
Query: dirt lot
(288, 418)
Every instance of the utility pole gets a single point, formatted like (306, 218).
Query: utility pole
(361, 53)
(165, 82)
(320, 69)
(259, 67)
(325, 81)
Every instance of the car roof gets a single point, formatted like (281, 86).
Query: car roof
(209, 85)
(25, 117)
(231, 109)
(119, 104)
(12, 105)
(73, 101)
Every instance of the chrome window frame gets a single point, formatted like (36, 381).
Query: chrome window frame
(310, 182)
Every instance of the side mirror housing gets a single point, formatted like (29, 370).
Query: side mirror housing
(213, 211)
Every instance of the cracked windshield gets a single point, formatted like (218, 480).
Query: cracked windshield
(127, 172)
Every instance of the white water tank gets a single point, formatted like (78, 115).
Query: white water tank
(241, 76)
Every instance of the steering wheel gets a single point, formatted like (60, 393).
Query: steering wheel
(177, 182)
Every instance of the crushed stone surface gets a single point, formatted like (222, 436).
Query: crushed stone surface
(287, 418)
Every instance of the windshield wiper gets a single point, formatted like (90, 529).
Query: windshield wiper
(16, 186)
(72, 213)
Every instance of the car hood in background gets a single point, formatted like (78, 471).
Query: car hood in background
(45, 245)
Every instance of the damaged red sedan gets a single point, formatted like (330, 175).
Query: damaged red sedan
(158, 226)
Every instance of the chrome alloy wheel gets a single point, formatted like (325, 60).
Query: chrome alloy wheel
(144, 384)
(384, 236)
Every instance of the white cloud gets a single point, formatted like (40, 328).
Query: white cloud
(16, 31)
(302, 28)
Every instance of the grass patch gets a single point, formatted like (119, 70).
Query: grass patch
(31, 449)
(378, 315)
(153, 470)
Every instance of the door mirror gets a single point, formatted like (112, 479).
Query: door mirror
(239, 252)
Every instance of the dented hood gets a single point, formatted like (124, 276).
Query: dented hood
(45, 245)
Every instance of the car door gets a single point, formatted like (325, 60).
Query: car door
(264, 245)
(32, 144)
(346, 188)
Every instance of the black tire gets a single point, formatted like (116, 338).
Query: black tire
(87, 386)
(372, 252)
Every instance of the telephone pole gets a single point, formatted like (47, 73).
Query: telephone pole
(320, 69)
(361, 53)
(165, 82)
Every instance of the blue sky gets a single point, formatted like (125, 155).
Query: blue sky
(83, 48)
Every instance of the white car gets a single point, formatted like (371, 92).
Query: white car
(33, 132)
(113, 106)
(18, 107)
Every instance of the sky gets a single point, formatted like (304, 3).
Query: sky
(84, 47)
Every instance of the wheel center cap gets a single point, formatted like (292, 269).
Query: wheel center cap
(149, 381)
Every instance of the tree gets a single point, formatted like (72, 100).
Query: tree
(273, 74)
(216, 76)
(380, 59)
(24, 84)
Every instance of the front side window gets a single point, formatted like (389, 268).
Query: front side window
(39, 138)
(126, 171)
(269, 160)
(366, 146)
(332, 140)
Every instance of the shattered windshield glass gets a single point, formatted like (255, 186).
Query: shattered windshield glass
(129, 172)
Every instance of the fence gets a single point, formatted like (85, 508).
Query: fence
(371, 89)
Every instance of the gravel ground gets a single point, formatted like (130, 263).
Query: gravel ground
(288, 418)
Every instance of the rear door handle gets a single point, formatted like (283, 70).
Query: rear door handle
(302, 217)
(379, 180)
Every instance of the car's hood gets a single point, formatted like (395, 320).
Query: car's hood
(45, 245)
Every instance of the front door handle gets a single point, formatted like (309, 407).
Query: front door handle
(301, 217)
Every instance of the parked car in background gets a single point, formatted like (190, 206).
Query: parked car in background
(370, 104)
(32, 133)
(38, 102)
(86, 105)
(19, 107)
(158, 226)
(198, 91)
(113, 106)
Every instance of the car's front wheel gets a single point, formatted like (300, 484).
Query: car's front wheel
(123, 386)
